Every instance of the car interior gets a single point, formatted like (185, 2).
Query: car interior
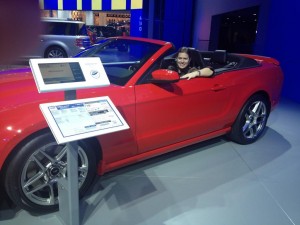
(219, 60)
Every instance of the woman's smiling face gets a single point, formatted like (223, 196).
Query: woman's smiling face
(183, 60)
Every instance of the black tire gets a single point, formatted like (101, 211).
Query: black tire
(55, 52)
(251, 121)
(31, 175)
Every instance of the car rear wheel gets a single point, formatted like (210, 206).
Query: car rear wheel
(251, 121)
(32, 174)
(55, 52)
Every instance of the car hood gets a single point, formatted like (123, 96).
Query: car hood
(7, 76)
(18, 88)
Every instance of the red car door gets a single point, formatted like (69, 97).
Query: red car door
(171, 113)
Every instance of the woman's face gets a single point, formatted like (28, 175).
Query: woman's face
(183, 60)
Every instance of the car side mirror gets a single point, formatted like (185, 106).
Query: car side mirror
(165, 76)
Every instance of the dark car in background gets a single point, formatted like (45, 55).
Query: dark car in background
(61, 38)
(103, 31)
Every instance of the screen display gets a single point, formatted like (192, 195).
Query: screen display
(67, 72)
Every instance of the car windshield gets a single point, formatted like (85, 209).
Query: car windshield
(121, 58)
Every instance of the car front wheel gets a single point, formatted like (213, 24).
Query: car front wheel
(251, 121)
(32, 174)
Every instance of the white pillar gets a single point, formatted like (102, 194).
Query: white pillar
(64, 14)
(89, 16)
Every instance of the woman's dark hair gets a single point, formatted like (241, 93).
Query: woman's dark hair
(183, 50)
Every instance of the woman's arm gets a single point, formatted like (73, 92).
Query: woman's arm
(205, 72)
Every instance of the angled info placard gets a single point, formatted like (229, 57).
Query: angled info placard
(83, 118)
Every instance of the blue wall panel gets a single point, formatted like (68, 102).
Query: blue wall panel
(128, 4)
(171, 20)
(106, 5)
(178, 22)
(136, 23)
(283, 43)
(50, 4)
(86, 5)
(69, 4)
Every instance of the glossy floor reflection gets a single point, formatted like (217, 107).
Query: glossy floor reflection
(211, 183)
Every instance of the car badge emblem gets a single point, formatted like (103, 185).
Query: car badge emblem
(95, 74)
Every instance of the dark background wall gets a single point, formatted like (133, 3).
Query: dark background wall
(282, 41)
(169, 20)
(277, 34)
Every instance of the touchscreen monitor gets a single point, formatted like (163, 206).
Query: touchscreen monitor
(55, 73)
(68, 73)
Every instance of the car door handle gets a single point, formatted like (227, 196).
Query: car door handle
(218, 87)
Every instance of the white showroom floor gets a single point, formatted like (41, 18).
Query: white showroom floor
(212, 183)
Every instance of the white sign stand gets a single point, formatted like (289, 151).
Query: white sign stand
(68, 192)
(69, 74)
(68, 188)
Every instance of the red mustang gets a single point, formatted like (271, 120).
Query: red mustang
(163, 112)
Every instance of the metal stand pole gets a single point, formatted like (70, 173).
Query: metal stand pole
(68, 187)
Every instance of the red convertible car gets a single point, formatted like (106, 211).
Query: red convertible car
(164, 113)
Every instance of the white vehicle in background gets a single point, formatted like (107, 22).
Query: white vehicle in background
(61, 38)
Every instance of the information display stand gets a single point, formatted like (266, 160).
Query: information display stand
(100, 117)
(68, 188)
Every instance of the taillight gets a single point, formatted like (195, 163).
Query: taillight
(83, 42)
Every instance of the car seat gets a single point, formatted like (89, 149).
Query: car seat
(196, 58)
(218, 59)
